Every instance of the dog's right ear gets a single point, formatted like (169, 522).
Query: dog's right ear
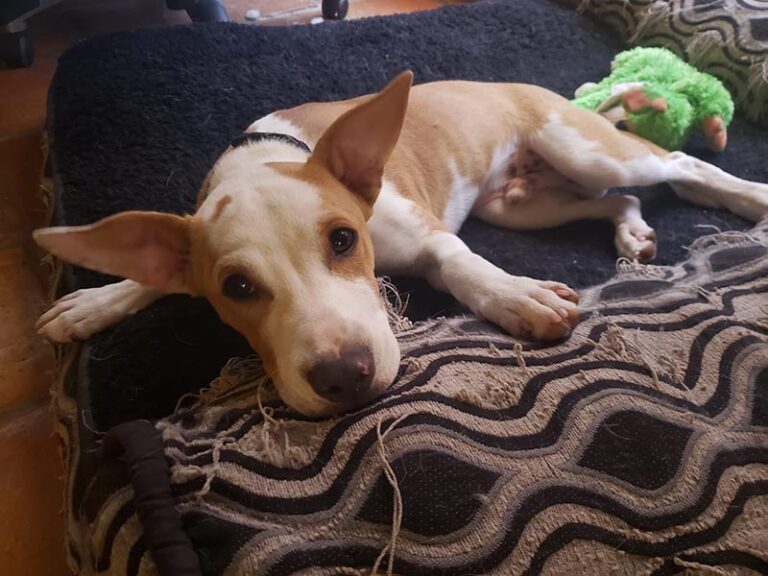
(151, 248)
(356, 147)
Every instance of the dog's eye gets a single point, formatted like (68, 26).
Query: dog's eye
(343, 240)
(238, 287)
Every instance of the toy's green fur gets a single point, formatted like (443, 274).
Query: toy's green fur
(691, 95)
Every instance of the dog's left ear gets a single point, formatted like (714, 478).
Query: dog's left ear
(356, 147)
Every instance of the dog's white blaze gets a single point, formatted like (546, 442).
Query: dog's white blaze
(269, 225)
(397, 231)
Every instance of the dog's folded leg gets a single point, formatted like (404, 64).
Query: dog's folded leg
(79, 315)
(522, 306)
(634, 239)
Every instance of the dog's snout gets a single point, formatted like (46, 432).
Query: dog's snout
(346, 378)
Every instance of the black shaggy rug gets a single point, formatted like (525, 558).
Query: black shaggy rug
(137, 119)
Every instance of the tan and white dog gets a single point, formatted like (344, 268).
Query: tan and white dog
(285, 241)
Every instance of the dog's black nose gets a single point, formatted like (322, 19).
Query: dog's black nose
(346, 379)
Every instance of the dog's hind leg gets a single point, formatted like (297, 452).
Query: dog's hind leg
(549, 208)
(82, 314)
(589, 150)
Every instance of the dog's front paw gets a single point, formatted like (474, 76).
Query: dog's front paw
(531, 308)
(80, 315)
(76, 316)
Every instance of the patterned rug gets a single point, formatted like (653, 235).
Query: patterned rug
(639, 446)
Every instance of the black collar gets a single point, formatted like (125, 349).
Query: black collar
(248, 137)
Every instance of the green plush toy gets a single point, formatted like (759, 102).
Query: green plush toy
(661, 98)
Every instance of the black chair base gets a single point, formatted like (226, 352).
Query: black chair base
(335, 9)
(201, 10)
(15, 48)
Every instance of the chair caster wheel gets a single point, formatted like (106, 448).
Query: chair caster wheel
(335, 9)
(15, 49)
(208, 11)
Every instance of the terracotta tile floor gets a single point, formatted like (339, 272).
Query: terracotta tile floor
(31, 526)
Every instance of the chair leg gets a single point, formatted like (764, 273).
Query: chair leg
(15, 46)
(201, 10)
(335, 9)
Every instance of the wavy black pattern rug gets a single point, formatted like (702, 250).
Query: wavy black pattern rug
(638, 446)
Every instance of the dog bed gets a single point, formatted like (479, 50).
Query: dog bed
(638, 445)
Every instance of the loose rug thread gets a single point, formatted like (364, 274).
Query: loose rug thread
(397, 510)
